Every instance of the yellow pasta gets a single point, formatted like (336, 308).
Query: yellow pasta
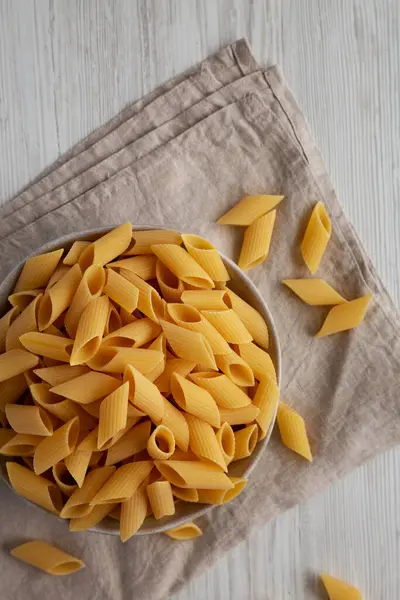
(316, 237)
(113, 414)
(161, 499)
(189, 345)
(47, 558)
(24, 323)
(123, 483)
(258, 360)
(78, 505)
(176, 422)
(58, 297)
(144, 240)
(205, 299)
(29, 419)
(194, 474)
(266, 400)
(63, 479)
(194, 400)
(37, 271)
(245, 442)
(49, 346)
(293, 431)
(256, 242)
(21, 300)
(58, 274)
(107, 247)
(58, 446)
(149, 301)
(249, 209)
(171, 286)
(133, 335)
(339, 590)
(114, 360)
(77, 464)
(74, 253)
(144, 266)
(223, 496)
(11, 390)
(345, 316)
(114, 320)
(190, 318)
(315, 292)
(90, 331)
(161, 443)
(87, 388)
(225, 393)
(236, 369)
(60, 373)
(14, 362)
(130, 422)
(133, 513)
(185, 494)
(89, 288)
(21, 444)
(5, 324)
(173, 365)
(59, 407)
(144, 395)
(182, 265)
(133, 442)
(188, 531)
(126, 317)
(229, 325)
(203, 441)
(92, 519)
(239, 416)
(207, 256)
(121, 291)
(250, 317)
(226, 441)
(37, 489)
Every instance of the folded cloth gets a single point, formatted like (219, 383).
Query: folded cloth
(247, 138)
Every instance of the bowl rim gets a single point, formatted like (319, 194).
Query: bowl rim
(167, 522)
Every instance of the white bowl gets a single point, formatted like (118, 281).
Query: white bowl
(239, 283)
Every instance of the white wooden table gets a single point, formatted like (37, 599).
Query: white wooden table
(67, 66)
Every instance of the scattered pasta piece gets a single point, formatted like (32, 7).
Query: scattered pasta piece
(339, 590)
(345, 316)
(316, 237)
(257, 241)
(249, 209)
(48, 558)
(293, 431)
(315, 292)
(188, 531)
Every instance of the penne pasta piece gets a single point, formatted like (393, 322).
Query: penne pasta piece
(173, 365)
(223, 496)
(15, 362)
(90, 331)
(74, 253)
(49, 346)
(161, 443)
(90, 287)
(207, 256)
(21, 444)
(339, 590)
(52, 330)
(229, 325)
(63, 479)
(293, 431)
(187, 495)
(96, 515)
(114, 320)
(116, 513)
(58, 297)
(32, 420)
(195, 400)
(144, 240)
(250, 317)
(60, 373)
(114, 360)
(133, 513)
(77, 464)
(266, 399)
(182, 265)
(58, 274)
(345, 316)
(316, 237)
(239, 416)
(245, 441)
(249, 209)
(121, 291)
(159, 344)
(170, 285)
(87, 388)
(47, 558)
(89, 442)
(205, 299)
(190, 318)
(37, 271)
(11, 390)
(143, 266)
(236, 369)
(24, 323)
(127, 317)
(161, 499)
(258, 360)
(144, 394)
(133, 442)
(187, 531)
(21, 300)
(149, 301)
(123, 483)
(113, 415)
(182, 455)
(189, 345)
(176, 422)
(59, 407)
(315, 292)
(5, 434)
(226, 441)
(203, 441)
(194, 474)
(5, 323)
(37, 489)
(57, 447)
(257, 242)
(78, 505)
(225, 393)
(107, 247)
(133, 335)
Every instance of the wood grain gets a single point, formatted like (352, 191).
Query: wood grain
(67, 66)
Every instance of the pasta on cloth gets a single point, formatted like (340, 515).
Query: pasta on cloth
(241, 133)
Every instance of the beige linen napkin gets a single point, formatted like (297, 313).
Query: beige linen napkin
(254, 138)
